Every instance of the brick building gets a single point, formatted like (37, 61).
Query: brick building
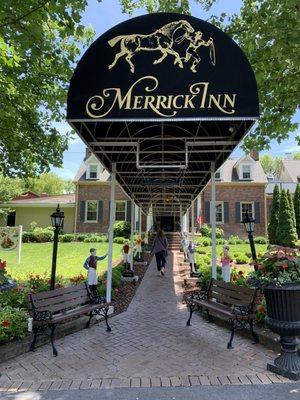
(240, 187)
(92, 198)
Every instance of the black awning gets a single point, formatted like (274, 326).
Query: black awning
(163, 96)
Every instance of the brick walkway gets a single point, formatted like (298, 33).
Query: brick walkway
(149, 345)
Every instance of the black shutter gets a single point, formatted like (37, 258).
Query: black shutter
(207, 212)
(226, 212)
(238, 213)
(100, 210)
(128, 211)
(82, 210)
(257, 212)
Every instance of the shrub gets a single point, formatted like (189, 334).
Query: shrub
(248, 254)
(43, 235)
(241, 259)
(204, 241)
(81, 236)
(120, 240)
(286, 229)
(41, 283)
(206, 275)
(93, 239)
(115, 279)
(28, 237)
(238, 277)
(221, 241)
(273, 224)
(13, 323)
(200, 250)
(233, 239)
(77, 279)
(219, 233)
(16, 298)
(122, 228)
(67, 238)
(261, 240)
(205, 230)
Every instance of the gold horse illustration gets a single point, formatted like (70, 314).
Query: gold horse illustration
(162, 39)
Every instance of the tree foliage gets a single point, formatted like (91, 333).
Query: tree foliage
(271, 165)
(273, 224)
(297, 209)
(286, 231)
(40, 41)
(49, 183)
(291, 203)
(268, 32)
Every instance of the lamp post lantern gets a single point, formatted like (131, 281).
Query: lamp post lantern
(249, 224)
(57, 220)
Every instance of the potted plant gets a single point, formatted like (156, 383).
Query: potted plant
(278, 274)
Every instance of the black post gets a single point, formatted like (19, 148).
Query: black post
(253, 251)
(54, 257)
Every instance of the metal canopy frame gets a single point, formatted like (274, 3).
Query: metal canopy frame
(163, 164)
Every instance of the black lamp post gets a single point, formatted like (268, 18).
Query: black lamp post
(249, 223)
(57, 220)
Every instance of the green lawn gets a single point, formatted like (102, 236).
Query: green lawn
(37, 258)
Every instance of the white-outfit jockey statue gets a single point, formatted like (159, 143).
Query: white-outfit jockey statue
(191, 251)
(184, 245)
(226, 264)
(90, 265)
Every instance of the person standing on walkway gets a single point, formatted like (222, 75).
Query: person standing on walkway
(160, 249)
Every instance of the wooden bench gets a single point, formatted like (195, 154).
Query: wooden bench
(235, 303)
(56, 307)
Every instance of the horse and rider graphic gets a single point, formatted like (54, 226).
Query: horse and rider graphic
(163, 40)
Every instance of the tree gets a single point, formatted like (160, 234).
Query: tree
(273, 224)
(49, 183)
(268, 33)
(40, 41)
(9, 188)
(297, 208)
(271, 165)
(286, 231)
(296, 156)
(291, 203)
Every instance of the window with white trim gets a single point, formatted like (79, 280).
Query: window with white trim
(246, 171)
(218, 175)
(120, 210)
(93, 171)
(247, 206)
(91, 211)
(219, 212)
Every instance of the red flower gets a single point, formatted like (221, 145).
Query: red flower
(241, 273)
(2, 265)
(284, 266)
(6, 323)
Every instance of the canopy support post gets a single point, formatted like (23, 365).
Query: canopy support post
(111, 232)
(213, 223)
(181, 220)
(193, 269)
(132, 234)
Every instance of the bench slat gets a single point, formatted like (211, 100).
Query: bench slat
(59, 298)
(225, 299)
(233, 294)
(57, 292)
(231, 286)
(54, 308)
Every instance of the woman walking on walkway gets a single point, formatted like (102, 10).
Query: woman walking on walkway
(160, 249)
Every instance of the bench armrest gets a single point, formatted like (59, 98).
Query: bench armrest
(42, 316)
(241, 310)
(197, 296)
(97, 299)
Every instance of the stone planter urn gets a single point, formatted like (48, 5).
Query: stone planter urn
(283, 317)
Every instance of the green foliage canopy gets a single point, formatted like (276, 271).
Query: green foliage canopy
(286, 231)
(273, 224)
(268, 32)
(40, 41)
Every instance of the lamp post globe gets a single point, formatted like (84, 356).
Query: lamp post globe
(249, 224)
(57, 221)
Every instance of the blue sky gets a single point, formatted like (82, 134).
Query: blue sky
(102, 16)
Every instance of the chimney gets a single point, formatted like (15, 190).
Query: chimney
(254, 154)
(87, 153)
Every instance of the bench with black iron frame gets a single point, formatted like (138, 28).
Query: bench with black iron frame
(56, 307)
(235, 303)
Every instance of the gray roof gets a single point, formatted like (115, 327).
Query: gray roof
(230, 174)
(292, 168)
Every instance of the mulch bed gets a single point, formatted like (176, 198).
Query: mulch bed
(128, 289)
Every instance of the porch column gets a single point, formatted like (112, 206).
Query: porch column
(193, 271)
(188, 223)
(111, 232)
(181, 220)
(132, 233)
(199, 209)
(213, 223)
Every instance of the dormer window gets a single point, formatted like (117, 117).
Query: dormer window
(218, 175)
(93, 171)
(246, 171)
